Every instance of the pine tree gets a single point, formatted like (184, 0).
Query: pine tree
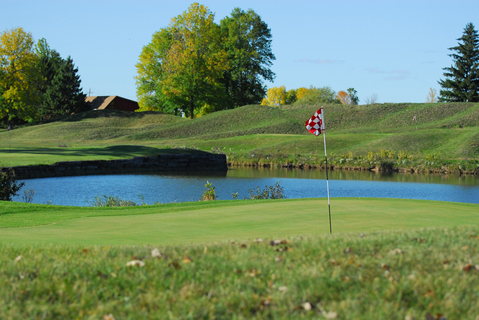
(49, 65)
(64, 95)
(462, 78)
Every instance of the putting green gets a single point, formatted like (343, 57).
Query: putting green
(239, 220)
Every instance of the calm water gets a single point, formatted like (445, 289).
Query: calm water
(79, 191)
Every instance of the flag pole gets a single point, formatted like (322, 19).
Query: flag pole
(316, 126)
(327, 177)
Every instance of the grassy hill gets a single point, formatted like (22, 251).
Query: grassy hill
(258, 133)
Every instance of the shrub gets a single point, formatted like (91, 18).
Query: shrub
(269, 192)
(28, 195)
(110, 201)
(209, 194)
(8, 185)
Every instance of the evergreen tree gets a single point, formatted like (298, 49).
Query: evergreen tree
(64, 95)
(248, 43)
(49, 65)
(462, 78)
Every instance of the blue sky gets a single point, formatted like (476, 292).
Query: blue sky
(394, 49)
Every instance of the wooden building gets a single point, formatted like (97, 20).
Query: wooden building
(111, 102)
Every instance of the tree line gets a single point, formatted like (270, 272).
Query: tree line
(277, 96)
(35, 81)
(195, 66)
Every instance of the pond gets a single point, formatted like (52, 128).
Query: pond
(166, 188)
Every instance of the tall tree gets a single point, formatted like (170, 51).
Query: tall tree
(248, 43)
(187, 62)
(19, 75)
(49, 65)
(150, 74)
(462, 78)
(64, 96)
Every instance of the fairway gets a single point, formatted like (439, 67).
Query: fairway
(220, 221)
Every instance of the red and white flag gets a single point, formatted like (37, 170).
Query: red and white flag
(315, 125)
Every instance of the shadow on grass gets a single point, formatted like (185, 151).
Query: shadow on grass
(93, 114)
(121, 151)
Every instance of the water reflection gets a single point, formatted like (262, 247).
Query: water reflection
(81, 190)
(354, 175)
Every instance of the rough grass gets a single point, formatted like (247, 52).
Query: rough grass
(417, 274)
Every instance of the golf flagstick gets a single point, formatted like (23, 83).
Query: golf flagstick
(315, 125)
(327, 177)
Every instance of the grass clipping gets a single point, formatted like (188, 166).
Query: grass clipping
(421, 274)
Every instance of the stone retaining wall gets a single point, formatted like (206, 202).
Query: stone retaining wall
(161, 163)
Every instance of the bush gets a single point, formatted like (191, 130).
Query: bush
(8, 185)
(269, 192)
(209, 194)
(110, 201)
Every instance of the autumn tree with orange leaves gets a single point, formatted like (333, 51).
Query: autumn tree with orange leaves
(348, 98)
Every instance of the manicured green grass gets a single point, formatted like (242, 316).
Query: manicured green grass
(207, 222)
(35, 155)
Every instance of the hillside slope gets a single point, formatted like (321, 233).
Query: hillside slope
(451, 129)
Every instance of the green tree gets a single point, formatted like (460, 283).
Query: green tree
(248, 43)
(187, 61)
(462, 78)
(65, 95)
(291, 96)
(353, 96)
(18, 76)
(150, 74)
(49, 65)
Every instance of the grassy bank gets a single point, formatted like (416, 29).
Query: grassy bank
(445, 136)
(417, 274)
